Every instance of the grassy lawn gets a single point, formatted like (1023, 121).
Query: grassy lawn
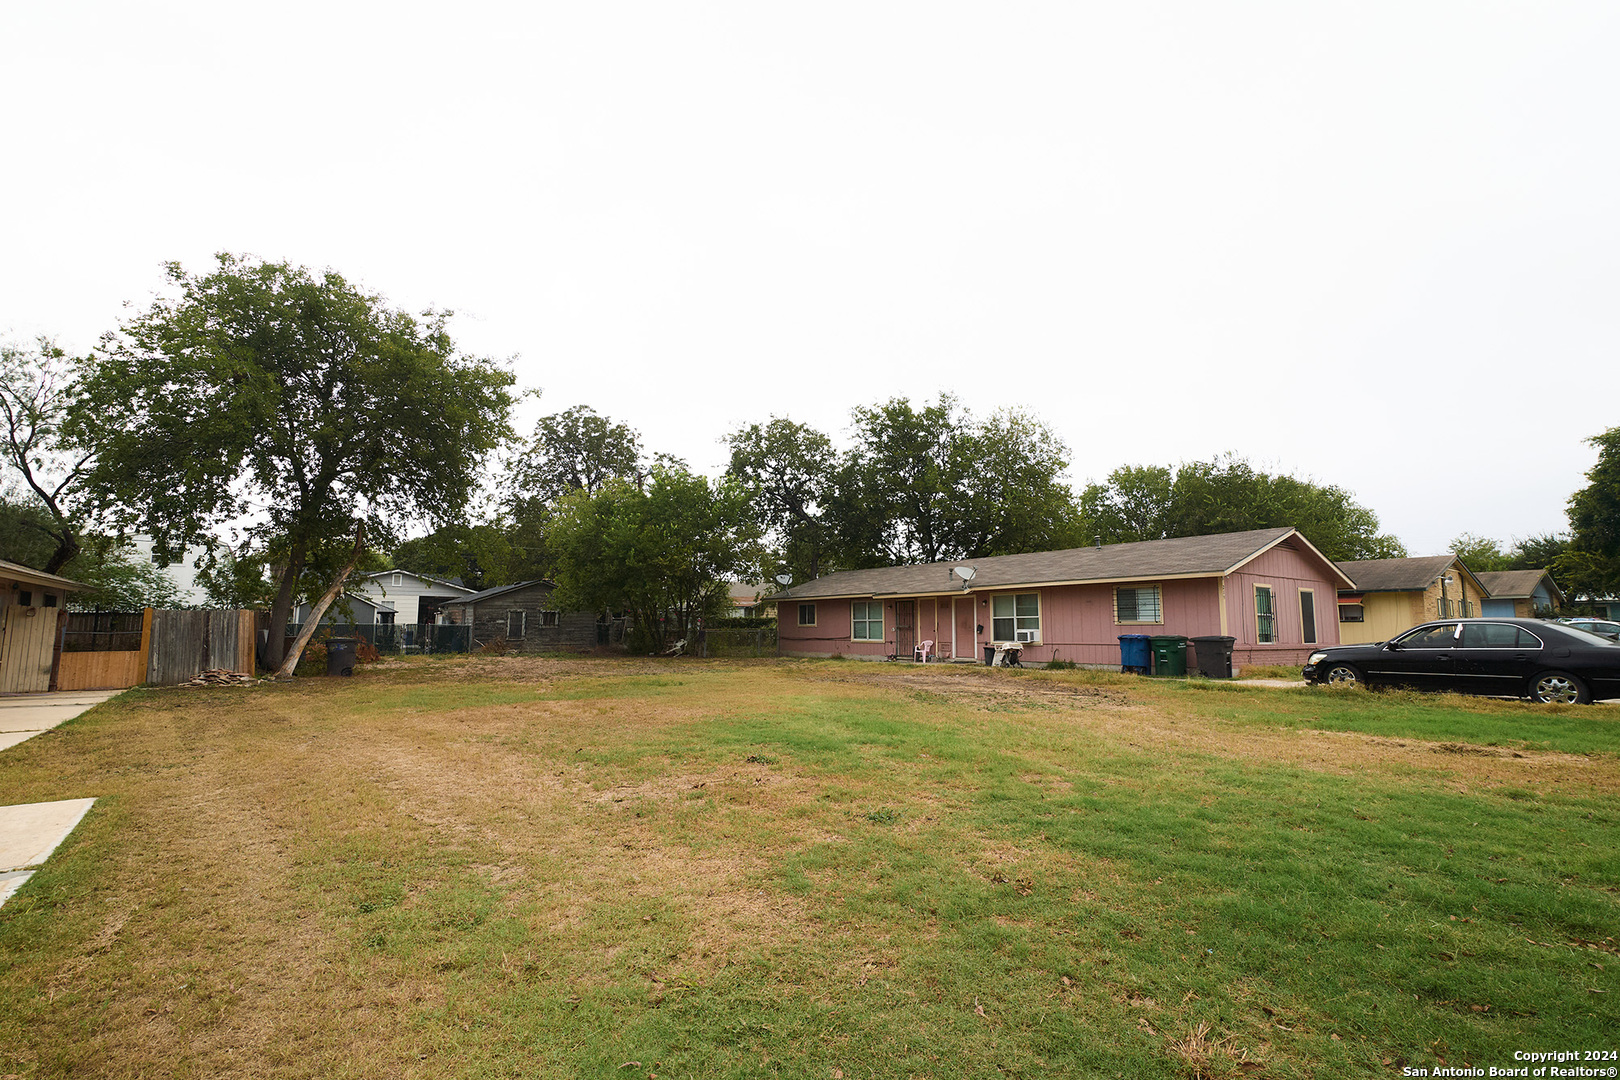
(593, 868)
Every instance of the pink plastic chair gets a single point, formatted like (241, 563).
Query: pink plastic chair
(920, 653)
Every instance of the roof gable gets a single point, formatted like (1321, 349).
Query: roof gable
(1405, 575)
(501, 590)
(424, 578)
(1516, 584)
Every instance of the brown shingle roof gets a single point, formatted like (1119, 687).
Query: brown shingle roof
(1396, 575)
(1183, 556)
(1514, 584)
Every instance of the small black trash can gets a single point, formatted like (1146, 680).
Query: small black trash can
(1214, 656)
(989, 655)
(341, 655)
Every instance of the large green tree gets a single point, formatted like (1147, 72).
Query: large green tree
(1008, 470)
(790, 468)
(574, 450)
(928, 483)
(1230, 495)
(1480, 554)
(37, 389)
(577, 449)
(1134, 503)
(1591, 566)
(662, 551)
(482, 556)
(293, 399)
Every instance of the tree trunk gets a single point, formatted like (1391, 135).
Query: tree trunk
(67, 546)
(308, 630)
(281, 609)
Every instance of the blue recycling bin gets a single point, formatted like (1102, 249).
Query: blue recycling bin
(1135, 650)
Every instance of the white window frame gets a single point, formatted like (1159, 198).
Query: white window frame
(1033, 627)
(1158, 593)
(1316, 631)
(868, 604)
(549, 618)
(811, 608)
(397, 581)
(523, 624)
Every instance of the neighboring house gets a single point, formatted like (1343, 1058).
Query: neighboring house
(1392, 595)
(350, 609)
(1269, 589)
(745, 601)
(181, 571)
(1523, 594)
(525, 616)
(415, 598)
(31, 606)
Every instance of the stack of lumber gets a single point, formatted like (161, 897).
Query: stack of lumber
(221, 677)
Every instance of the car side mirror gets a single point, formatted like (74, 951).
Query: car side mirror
(1391, 646)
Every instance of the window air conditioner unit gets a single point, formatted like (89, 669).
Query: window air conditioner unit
(1028, 635)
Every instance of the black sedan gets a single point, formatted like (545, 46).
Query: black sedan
(1543, 661)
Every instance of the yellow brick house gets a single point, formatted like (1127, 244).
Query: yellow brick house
(1392, 595)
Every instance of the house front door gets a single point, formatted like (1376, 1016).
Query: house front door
(964, 645)
(905, 628)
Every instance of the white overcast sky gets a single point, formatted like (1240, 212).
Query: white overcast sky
(1373, 244)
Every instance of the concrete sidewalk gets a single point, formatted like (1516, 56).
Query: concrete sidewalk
(28, 835)
(22, 716)
(29, 832)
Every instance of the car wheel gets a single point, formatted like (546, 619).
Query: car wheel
(1343, 675)
(1559, 688)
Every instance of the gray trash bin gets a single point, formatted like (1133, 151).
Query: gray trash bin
(341, 655)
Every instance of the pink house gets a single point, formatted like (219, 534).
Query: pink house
(1270, 590)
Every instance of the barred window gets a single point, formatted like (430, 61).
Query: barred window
(1265, 616)
(1138, 604)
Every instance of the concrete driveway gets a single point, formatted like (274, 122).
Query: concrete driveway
(29, 832)
(22, 716)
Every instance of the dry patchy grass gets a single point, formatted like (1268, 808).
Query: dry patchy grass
(506, 865)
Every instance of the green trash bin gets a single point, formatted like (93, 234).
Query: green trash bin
(1170, 656)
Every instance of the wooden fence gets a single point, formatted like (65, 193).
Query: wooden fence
(169, 647)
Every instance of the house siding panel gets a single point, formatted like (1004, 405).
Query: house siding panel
(574, 629)
(1287, 571)
(831, 634)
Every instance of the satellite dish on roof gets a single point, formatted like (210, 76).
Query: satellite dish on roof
(784, 579)
(964, 572)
